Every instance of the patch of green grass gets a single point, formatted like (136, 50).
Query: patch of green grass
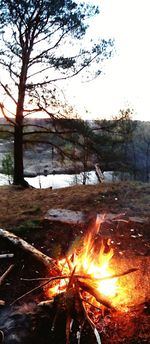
(33, 211)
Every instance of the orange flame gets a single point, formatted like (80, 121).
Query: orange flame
(91, 262)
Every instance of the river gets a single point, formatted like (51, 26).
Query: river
(56, 181)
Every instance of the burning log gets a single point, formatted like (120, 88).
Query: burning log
(101, 299)
(20, 243)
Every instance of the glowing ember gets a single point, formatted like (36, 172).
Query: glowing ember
(91, 264)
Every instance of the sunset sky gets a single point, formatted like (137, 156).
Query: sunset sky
(125, 81)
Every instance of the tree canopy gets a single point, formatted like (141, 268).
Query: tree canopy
(42, 43)
(41, 36)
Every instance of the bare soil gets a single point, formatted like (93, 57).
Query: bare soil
(22, 211)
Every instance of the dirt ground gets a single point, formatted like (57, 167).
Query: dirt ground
(22, 211)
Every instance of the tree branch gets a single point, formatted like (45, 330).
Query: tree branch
(9, 68)
(46, 51)
(4, 114)
(5, 87)
(39, 72)
(63, 78)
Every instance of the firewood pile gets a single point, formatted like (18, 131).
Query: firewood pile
(77, 299)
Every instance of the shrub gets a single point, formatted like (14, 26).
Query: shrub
(8, 166)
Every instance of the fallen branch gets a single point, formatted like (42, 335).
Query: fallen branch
(26, 247)
(5, 274)
(99, 173)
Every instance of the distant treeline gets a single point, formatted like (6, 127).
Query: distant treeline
(122, 147)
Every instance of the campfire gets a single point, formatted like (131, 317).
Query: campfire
(89, 265)
(84, 294)
(88, 283)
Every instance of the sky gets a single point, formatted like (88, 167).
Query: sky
(125, 79)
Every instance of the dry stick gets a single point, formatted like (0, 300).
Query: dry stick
(91, 323)
(47, 261)
(39, 287)
(120, 274)
(78, 293)
(84, 276)
(70, 283)
(117, 275)
(2, 278)
(35, 279)
(6, 255)
(86, 287)
(63, 276)
(48, 278)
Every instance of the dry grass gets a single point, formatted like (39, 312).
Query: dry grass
(20, 206)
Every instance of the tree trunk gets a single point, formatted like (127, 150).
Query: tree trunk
(147, 162)
(18, 133)
(85, 159)
(18, 155)
(134, 162)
